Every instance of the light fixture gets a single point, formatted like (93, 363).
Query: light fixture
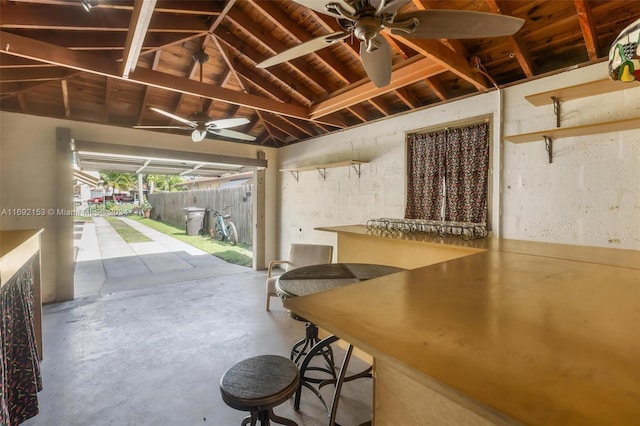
(198, 135)
(624, 55)
(87, 5)
(140, 20)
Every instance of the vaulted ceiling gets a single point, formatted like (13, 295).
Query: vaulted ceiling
(58, 60)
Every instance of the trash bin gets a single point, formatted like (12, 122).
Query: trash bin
(193, 217)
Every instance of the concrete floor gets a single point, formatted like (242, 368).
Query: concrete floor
(148, 342)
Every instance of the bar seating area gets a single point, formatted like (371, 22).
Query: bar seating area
(426, 213)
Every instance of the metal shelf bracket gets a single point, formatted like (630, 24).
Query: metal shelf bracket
(356, 168)
(548, 145)
(556, 109)
(295, 175)
(323, 173)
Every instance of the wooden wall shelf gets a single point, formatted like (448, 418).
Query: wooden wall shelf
(578, 91)
(587, 129)
(321, 168)
(557, 96)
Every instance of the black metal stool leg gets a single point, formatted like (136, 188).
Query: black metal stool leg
(339, 383)
(281, 420)
(251, 419)
(304, 381)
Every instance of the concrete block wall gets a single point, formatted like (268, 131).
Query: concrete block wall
(590, 195)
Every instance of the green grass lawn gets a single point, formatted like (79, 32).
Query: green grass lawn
(127, 233)
(240, 254)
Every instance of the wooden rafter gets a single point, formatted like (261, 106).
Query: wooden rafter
(520, 51)
(33, 49)
(588, 27)
(65, 98)
(417, 69)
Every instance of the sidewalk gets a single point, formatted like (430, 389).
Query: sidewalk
(105, 263)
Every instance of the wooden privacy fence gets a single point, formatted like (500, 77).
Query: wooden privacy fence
(169, 207)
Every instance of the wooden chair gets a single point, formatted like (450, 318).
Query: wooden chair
(299, 255)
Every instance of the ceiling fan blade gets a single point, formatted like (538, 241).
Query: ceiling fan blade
(319, 6)
(226, 123)
(163, 127)
(232, 134)
(377, 63)
(304, 49)
(175, 117)
(390, 6)
(458, 24)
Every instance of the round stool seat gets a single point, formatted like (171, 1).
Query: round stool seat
(260, 383)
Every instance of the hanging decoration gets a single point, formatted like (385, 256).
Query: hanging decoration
(624, 56)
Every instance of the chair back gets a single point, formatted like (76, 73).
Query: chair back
(308, 254)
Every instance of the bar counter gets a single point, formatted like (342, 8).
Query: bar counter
(509, 333)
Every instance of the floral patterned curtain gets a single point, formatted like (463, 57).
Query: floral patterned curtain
(456, 160)
(467, 166)
(426, 170)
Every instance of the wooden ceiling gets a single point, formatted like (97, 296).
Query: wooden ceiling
(59, 60)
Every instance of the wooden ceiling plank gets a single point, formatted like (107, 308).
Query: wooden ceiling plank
(233, 42)
(45, 52)
(408, 98)
(183, 7)
(414, 70)
(286, 126)
(588, 27)
(35, 16)
(88, 40)
(377, 105)
(276, 46)
(448, 59)
(438, 89)
(359, 111)
(291, 27)
(257, 80)
(8, 62)
(520, 50)
(32, 74)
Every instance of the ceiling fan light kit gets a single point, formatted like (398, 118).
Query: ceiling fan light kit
(200, 123)
(365, 19)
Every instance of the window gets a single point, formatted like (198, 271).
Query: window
(448, 174)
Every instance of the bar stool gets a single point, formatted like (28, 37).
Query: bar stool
(259, 384)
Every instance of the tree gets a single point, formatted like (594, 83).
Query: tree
(163, 183)
(118, 181)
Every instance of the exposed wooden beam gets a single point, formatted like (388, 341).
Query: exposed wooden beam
(311, 75)
(183, 7)
(518, 45)
(408, 98)
(588, 26)
(143, 103)
(31, 74)
(235, 43)
(275, 14)
(7, 62)
(448, 59)
(41, 17)
(109, 41)
(437, 88)
(22, 102)
(414, 69)
(45, 52)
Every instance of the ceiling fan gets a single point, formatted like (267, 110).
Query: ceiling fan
(200, 122)
(367, 18)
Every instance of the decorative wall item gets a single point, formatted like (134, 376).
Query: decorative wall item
(624, 56)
